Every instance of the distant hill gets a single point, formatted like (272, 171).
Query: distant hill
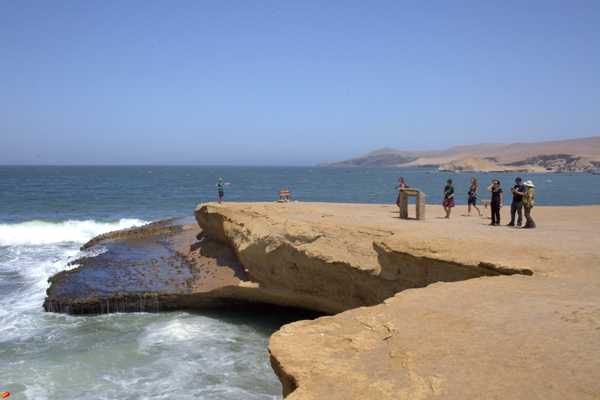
(560, 155)
(380, 158)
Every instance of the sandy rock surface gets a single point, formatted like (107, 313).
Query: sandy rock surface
(532, 334)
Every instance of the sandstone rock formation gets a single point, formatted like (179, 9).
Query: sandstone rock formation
(474, 164)
(517, 337)
(325, 266)
(533, 334)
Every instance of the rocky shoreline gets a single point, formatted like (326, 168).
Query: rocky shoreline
(419, 308)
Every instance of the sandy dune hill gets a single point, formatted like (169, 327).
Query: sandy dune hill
(573, 155)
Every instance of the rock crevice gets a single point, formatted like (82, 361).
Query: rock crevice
(337, 267)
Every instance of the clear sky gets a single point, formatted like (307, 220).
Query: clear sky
(289, 82)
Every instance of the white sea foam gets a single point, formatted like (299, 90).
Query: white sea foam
(130, 356)
(31, 252)
(42, 232)
(180, 330)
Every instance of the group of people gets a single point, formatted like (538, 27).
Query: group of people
(523, 200)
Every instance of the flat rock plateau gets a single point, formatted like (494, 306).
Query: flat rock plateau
(413, 309)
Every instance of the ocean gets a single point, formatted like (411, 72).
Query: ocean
(47, 213)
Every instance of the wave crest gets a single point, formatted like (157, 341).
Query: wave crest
(43, 232)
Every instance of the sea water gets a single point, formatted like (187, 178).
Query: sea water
(47, 213)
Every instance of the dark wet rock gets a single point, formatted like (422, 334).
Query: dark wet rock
(156, 267)
(162, 227)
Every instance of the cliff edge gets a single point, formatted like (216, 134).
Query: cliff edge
(436, 308)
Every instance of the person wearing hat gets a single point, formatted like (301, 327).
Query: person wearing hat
(528, 202)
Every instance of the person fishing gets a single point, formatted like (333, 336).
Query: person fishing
(220, 190)
(528, 203)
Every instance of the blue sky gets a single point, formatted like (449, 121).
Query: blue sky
(289, 82)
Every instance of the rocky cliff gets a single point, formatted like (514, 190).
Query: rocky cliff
(464, 310)
(418, 309)
(327, 267)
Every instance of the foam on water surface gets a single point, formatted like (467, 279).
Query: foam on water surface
(126, 356)
(42, 232)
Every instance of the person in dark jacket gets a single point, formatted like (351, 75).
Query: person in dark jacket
(496, 202)
(516, 207)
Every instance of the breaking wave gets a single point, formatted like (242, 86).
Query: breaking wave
(42, 232)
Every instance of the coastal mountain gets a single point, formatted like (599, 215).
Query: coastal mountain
(385, 157)
(574, 155)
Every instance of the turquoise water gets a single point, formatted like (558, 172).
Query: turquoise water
(46, 213)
